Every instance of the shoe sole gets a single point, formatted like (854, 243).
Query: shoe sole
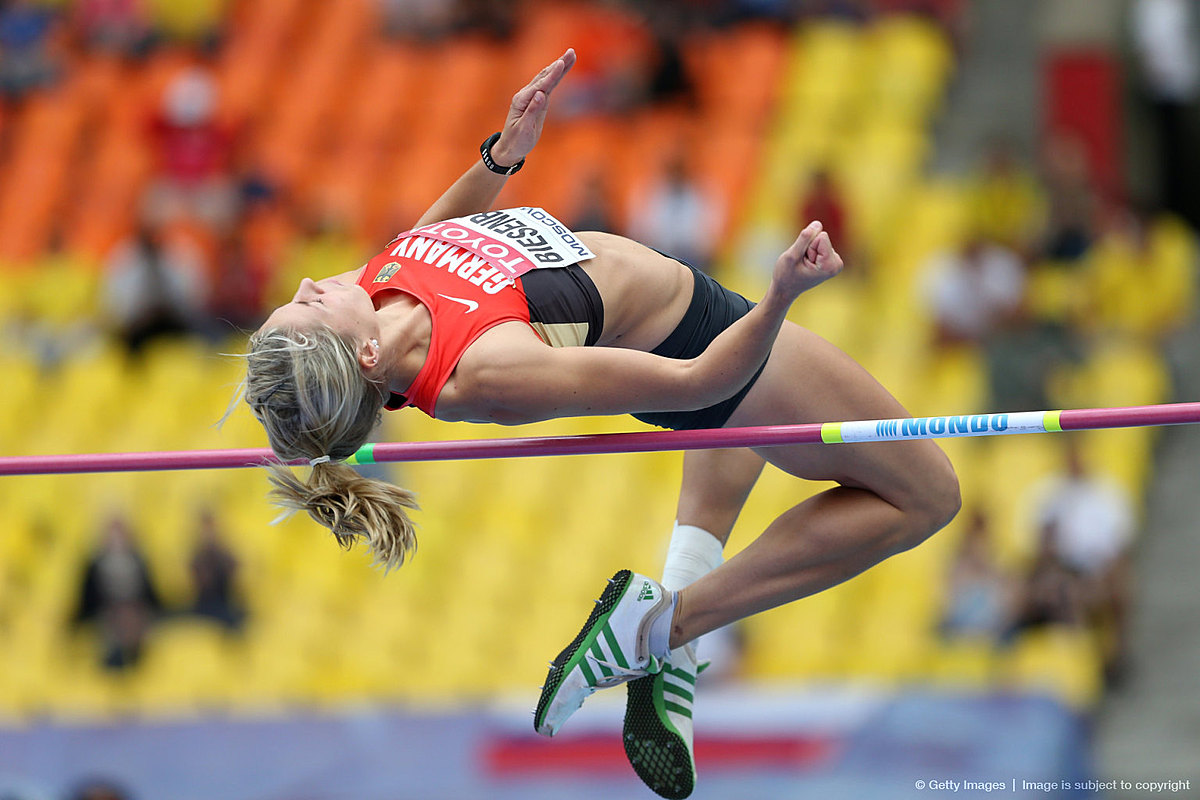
(573, 653)
(656, 751)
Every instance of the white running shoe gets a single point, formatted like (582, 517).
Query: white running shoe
(613, 647)
(658, 726)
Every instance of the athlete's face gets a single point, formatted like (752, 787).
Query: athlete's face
(344, 308)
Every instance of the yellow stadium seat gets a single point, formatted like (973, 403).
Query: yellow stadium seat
(1061, 662)
(185, 666)
(187, 19)
(803, 641)
(912, 58)
(957, 382)
(970, 663)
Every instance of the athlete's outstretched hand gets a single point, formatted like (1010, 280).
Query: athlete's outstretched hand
(809, 261)
(527, 114)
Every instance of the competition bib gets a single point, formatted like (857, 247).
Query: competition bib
(514, 240)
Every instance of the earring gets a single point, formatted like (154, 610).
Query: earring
(375, 343)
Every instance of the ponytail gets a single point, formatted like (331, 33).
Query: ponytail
(308, 391)
(352, 507)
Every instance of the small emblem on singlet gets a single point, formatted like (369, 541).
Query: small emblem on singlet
(387, 272)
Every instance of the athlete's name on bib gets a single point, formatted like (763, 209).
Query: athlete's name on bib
(520, 232)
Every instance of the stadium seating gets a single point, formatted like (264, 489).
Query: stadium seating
(510, 552)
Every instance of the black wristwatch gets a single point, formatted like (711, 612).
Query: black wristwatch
(485, 150)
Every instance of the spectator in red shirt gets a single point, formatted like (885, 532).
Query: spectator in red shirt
(194, 148)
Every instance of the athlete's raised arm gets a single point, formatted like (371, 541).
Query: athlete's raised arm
(478, 187)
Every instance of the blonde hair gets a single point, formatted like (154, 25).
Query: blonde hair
(310, 394)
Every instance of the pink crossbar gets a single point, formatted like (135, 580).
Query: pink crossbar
(522, 447)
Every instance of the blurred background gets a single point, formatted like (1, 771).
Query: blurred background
(1015, 186)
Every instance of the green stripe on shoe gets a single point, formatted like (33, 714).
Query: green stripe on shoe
(587, 673)
(683, 711)
(677, 691)
(616, 648)
(598, 654)
(682, 674)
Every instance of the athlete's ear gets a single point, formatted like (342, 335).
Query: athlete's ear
(368, 354)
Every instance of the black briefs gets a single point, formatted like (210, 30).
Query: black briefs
(713, 309)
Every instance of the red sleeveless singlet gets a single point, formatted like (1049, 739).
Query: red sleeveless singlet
(465, 296)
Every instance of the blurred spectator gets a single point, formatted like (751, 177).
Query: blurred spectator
(783, 12)
(668, 80)
(1072, 203)
(418, 20)
(975, 292)
(1166, 41)
(977, 297)
(495, 19)
(214, 575)
(1006, 198)
(854, 11)
(239, 289)
(117, 594)
(155, 286)
(824, 202)
(980, 595)
(1023, 359)
(615, 51)
(1049, 593)
(1140, 275)
(1087, 521)
(195, 153)
(677, 216)
(119, 27)
(99, 789)
(944, 11)
(27, 57)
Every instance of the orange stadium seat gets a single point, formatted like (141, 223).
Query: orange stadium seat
(45, 140)
(374, 116)
(738, 74)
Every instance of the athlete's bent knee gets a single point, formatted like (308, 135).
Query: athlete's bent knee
(937, 502)
(946, 497)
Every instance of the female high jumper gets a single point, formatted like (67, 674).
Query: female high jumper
(505, 316)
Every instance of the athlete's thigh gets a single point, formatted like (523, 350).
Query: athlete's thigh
(808, 379)
(715, 486)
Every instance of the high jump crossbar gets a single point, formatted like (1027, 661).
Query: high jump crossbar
(881, 430)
